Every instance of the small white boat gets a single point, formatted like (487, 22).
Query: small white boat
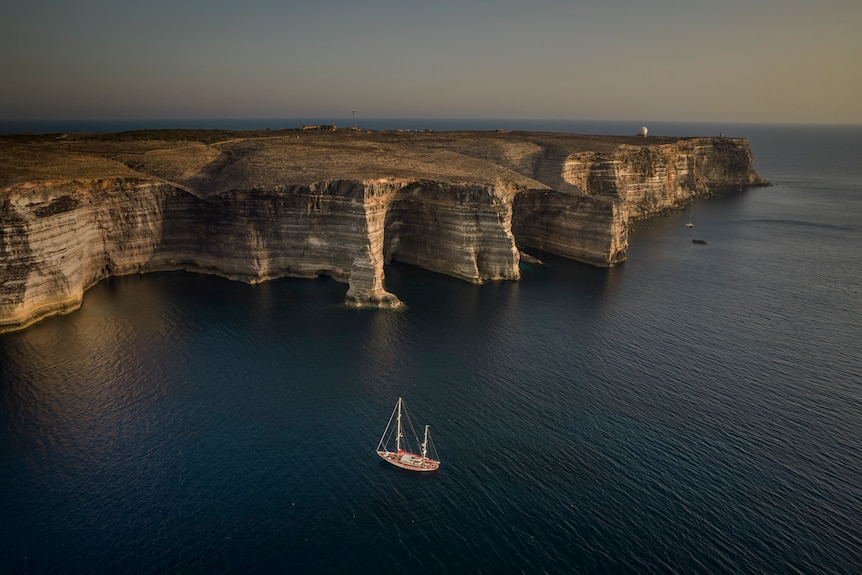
(425, 460)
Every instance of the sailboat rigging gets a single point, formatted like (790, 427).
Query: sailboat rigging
(403, 457)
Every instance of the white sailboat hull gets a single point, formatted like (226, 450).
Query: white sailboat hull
(409, 461)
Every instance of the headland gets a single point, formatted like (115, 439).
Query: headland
(253, 206)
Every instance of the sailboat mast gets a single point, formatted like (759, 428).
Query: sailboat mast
(398, 433)
(425, 444)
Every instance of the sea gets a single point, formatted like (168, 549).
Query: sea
(696, 409)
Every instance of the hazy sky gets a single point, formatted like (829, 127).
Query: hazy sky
(675, 60)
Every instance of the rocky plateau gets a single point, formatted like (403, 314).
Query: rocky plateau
(253, 206)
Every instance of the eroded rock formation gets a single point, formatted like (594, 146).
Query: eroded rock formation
(76, 210)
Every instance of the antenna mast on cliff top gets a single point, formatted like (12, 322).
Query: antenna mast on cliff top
(354, 119)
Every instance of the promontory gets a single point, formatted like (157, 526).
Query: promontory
(254, 206)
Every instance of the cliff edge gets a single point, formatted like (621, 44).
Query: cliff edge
(257, 206)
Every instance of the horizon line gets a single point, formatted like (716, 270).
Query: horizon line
(197, 119)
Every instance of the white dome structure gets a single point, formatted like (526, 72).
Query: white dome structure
(643, 131)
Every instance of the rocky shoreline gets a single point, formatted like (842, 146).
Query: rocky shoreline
(253, 206)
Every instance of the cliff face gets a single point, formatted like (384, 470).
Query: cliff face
(58, 239)
(464, 231)
(579, 227)
(342, 204)
(652, 179)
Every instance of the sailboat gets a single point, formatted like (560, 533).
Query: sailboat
(690, 224)
(402, 456)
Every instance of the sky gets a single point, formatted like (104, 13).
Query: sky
(671, 60)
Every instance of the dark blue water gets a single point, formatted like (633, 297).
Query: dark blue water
(697, 409)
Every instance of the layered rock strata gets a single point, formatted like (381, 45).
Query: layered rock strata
(76, 210)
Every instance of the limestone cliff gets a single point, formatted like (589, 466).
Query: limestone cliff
(76, 210)
(652, 179)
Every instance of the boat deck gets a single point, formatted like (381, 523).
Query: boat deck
(409, 460)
